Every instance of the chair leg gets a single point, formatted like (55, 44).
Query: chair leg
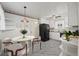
(32, 47)
(16, 52)
(40, 45)
(4, 51)
(10, 51)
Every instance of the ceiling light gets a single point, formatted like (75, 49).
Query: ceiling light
(24, 18)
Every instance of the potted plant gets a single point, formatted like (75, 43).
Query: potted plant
(76, 33)
(66, 35)
(23, 32)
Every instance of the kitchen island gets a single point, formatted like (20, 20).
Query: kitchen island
(69, 48)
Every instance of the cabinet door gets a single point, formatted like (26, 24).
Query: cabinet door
(54, 35)
(72, 14)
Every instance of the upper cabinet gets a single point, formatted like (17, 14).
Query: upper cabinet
(2, 19)
(73, 14)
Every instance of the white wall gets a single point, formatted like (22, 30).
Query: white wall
(43, 20)
(2, 19)
(78, 15)
(72, 14)
(16, 25)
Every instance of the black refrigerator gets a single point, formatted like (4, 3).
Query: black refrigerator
(44, 32)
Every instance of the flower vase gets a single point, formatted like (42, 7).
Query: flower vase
(23, 36)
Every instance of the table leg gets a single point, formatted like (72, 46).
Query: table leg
(26, 49)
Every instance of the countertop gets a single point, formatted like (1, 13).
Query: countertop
(73, 41)
(55, 30)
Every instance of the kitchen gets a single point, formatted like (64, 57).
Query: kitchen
(60, 17)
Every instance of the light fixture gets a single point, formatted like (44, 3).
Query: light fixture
(24, 18)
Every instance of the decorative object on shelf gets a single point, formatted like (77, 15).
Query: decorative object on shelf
(54, 17)
(57, 16)
(24, 32)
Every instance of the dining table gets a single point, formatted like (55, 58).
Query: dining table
(21, 39)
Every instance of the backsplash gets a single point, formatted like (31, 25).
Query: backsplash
(73, 28)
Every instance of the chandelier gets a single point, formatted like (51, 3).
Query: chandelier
(24, 18)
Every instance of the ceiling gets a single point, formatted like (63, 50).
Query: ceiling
(34, 9)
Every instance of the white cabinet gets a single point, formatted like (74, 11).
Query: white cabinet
(54, 35)
(73, 14)
(69, 48)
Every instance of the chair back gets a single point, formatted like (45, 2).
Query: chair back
(7, 41)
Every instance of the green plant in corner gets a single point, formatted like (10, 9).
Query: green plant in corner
(23, 32)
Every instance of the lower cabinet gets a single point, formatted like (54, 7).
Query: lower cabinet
(69, 48)
(55, 35)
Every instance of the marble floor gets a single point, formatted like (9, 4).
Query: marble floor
(49, 48)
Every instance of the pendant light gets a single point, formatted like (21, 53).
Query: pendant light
(25, 18)
(25, 11)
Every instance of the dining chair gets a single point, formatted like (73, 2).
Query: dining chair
(36, 40)
(6, 42)
(14, 48)
(24, 48)
(0, 47)
(6, 49)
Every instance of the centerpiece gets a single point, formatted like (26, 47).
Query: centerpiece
(23, 32)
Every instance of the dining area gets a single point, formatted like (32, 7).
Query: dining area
(19, 46)
(18, 34)
(34, 29)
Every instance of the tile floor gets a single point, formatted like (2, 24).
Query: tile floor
(49, 48)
